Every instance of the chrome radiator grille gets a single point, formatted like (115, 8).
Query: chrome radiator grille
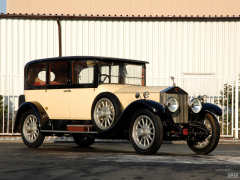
(181, 115)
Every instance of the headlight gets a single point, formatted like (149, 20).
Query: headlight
(172, 104)
(195, 105)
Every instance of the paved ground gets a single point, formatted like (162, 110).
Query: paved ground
(70, 139)
(115, 160)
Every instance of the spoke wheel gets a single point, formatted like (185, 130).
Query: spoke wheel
(143, 132)
(104, 113)
(146, 132)
(210, 143)
(30, 128)
(31, 134)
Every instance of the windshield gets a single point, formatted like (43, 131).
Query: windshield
(121, 73)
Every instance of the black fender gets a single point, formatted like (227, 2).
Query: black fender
(124, 119)
(206, 108)
(38, 109)
(212, 108)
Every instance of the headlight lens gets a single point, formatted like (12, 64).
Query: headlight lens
(195, 105)
(172, 104)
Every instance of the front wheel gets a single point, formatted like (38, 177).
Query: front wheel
(31, 134)
(146, 132)
(83, 141)
(210, 143)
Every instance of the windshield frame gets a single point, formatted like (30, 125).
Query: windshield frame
(123, 64)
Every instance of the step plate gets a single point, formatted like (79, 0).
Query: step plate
(80, 128)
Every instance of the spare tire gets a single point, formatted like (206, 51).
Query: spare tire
(106, 109)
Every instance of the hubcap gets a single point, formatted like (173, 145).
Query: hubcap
(104, 113)
(30, 128)
(143, 132)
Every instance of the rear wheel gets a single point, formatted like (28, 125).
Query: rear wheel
(83, 141)
(210, 143)
(31, 134)
(146, 132)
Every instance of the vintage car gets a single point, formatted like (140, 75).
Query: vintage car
(91, 97)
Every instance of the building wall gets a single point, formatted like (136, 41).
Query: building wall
(126, 7)
(183, 49)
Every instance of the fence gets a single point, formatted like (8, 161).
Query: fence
(220, 91)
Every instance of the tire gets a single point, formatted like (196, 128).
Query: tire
(146, 132)
(105, 111)
(30, 130)
(83, 141)
(210, 143)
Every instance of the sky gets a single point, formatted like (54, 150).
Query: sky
(3, 6)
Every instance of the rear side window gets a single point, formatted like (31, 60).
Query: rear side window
(37, 74)
(58, 73)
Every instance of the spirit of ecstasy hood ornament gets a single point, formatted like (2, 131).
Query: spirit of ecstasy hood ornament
(172, 78)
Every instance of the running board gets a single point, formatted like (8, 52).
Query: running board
(67, 132)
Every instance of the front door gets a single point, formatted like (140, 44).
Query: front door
(82, 92)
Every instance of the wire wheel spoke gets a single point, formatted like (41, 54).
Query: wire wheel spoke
(31, 131)
(143, 132)
(206, 141)
(104, 113)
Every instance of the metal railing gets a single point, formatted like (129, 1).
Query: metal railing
(223, 91)
(11, 86)
(219, 91)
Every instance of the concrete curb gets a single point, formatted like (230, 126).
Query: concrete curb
(65, 139)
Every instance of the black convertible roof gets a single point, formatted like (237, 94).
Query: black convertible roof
(89, 58)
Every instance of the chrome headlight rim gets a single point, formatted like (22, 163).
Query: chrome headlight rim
(172, 104)
(195, 102)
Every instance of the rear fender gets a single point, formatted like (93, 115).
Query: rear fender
(123, 121)
(38, 109)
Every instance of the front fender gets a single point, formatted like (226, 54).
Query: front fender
(212, 108)
(124, 119)
(38, 109)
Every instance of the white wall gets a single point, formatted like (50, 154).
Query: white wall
(173, 48)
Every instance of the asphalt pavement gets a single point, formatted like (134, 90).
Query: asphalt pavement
(115, 160)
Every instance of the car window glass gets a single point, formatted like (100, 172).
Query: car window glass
(82, 72)
(121, 73)
(104, 74)
(58, 73)
(37, 74)
(42, 76)
(134, 74)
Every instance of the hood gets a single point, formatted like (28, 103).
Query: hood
(141, 89)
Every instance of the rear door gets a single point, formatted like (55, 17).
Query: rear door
(58, 91)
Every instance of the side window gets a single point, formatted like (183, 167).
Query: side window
(37, 74)
(58, 73)
(82, 72)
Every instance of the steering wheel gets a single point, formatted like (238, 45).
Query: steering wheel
(106, 76)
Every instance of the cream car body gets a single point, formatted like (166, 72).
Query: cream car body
(99, 97)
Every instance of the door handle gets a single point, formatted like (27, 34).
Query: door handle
(66, 90)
